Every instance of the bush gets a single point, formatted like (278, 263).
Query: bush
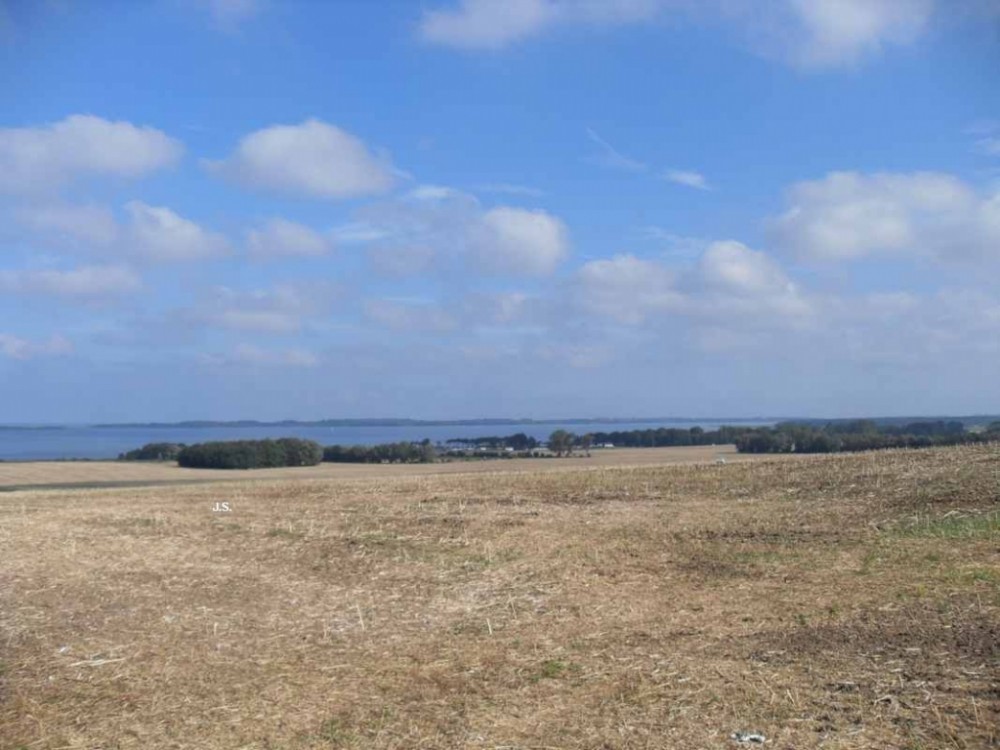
(251, 454)
(153, 452)
(389, 453)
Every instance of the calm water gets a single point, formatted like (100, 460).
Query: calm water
(108, 442)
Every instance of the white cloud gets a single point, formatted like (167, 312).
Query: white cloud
(400, 261)
(313, 159)
(487, 24)
(687, 179)
(86, 283)
(496, 308)
(610, 157)
(734, 267)
(432, 193)
(825, 33)
(627, 289)
(806, 33)
(15, 347)
(89, 225)
(577, 356)
(399, 315)
(280, 238)
(357, 232)
(255, 356)
(848, 215)
(285, 309)
(730, 282)
(42, 158)
(156, 233)
(519, 241)
(435, 226)
(736, 281)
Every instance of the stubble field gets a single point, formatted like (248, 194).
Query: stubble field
(841, 601)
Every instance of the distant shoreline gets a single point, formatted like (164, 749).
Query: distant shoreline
(489, 422)
(390, 422)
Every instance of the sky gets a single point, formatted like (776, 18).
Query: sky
(252, 209)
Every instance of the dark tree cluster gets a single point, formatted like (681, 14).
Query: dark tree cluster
(251, 454)
(153, 452)
(387, 453)
(663, 437)
(861, 435)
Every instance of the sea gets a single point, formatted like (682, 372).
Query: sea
(68, 442)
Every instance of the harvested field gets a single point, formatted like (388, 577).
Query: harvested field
(18, 475)
(847, 601)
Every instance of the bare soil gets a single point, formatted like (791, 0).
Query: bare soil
(848, 601)
(24, 474)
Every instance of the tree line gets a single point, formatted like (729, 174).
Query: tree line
(393, 453)
(859, 435)
(785, 437)
(251, 454)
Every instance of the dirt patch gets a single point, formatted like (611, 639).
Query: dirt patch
(599, 607)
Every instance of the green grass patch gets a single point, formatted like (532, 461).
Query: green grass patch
(953, 527)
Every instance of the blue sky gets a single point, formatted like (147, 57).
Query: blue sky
(458, 208)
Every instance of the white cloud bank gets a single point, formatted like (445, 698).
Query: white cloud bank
(46, 157)
(808, 33)
(14, 347)
(433, 226)
(86, 283)
(849, 215)
(313, 159)
(250, 355)
(729, 281)
(280, 238)
(158, 234)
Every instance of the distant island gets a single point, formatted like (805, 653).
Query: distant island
(393, 422)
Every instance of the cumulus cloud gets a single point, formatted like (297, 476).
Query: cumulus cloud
(729, 281)
(519, 241)
(407, 315)
(694, 180)
(255, 356)
(15, 347)
(280, 238)
(48, 156)
(436, 226)
(736, 280)
(849, 215)
(149, 233)
(313, 159)
(627, 289)
(284, 309)
(87, 225)
(86, 283)
(486, 24)
(577, 356)
(400, 261)
(807, 33)
(823, 33)
(156, 233)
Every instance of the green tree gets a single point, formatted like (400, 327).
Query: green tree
(560, 442)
